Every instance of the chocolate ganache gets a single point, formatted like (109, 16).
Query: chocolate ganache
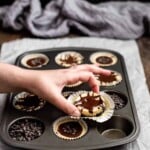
(110, 78)
(70, 129)
(69, 59)
(33, 62)
(89, 102)
(28, 101)
(104, 60)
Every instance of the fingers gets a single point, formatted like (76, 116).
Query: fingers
(86, 73)
(90, 79)
(59, 78)
(60, 102)
(93, 84)
(83, 76)
(91, 68)
(50, 90)
(69, 108)
(83, 73)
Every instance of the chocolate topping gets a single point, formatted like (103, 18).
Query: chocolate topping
(110, 78)
(69, 59)
(33, 62)
(89, 102)
(28, 101)
(104, 60)
(26, 129)
(70, 129)
(120, 101)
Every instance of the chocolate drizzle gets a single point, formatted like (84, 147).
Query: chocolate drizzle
(104, 60)
(110, 78)
(33, 62)
(70, 129)
(89, 102)
(69, 59)
(29, 103)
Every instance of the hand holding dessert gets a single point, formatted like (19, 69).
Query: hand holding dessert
(49, 84)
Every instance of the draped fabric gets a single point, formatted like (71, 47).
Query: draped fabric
(121, 20)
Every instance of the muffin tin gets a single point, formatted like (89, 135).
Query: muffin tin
(123, 127)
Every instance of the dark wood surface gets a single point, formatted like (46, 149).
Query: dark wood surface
(143, 43)
(144, 46)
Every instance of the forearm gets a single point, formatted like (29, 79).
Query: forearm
(13, 79)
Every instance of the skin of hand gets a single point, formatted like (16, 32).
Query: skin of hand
(49, 84)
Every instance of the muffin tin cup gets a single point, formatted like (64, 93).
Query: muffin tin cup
(121, 128)
(35, 60)
(68, 128)
(102, 117)
(28, 102)
(25, 129)
(119, 99)
(116, 128)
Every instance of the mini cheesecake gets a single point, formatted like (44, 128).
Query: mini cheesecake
(28, 102)
(103, 58)
(113, 79)
(69, 58)
(90, 104)
(36, 60)
(69, 129)
(94, 106)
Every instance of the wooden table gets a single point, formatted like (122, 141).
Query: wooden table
(143, 43)
(144, 46)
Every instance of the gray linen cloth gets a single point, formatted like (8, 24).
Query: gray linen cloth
(128, 49)
(123, 20)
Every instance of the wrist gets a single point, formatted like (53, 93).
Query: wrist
(26, 79)
(13, 78)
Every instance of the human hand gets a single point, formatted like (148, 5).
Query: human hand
(50, 83)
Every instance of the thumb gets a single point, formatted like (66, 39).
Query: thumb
(66, 106)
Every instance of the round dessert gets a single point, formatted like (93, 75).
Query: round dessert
(28, 102)
(36, 60)
(113, 79)
(95, 106)
(69, 58)
(69, 129)
(26, 129)
(90, 104)
(103, 58)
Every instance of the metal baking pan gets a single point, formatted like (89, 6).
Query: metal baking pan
(121, 129)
